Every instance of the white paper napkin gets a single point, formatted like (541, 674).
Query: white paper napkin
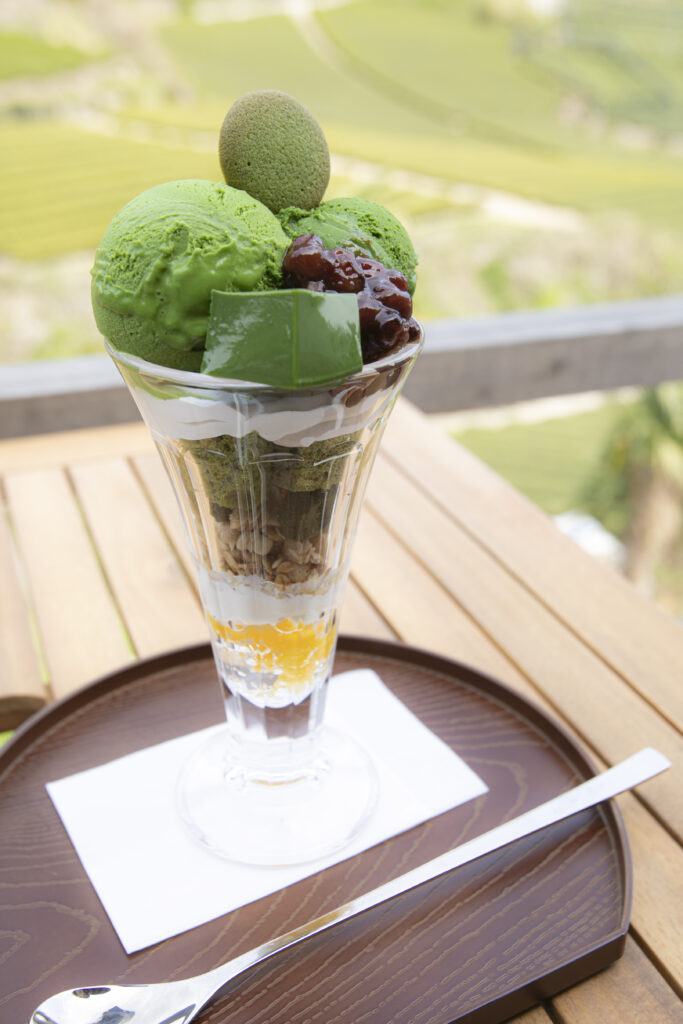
(155, 881)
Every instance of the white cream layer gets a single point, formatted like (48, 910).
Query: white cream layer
(298, 422)
(253, 602)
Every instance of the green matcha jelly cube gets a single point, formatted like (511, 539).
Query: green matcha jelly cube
(287, 339)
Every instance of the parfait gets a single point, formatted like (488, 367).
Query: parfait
(265, 334)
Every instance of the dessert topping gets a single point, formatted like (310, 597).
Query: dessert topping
(384, 303)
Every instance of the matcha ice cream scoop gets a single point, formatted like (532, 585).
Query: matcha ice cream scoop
(166, 251)
(358, 224)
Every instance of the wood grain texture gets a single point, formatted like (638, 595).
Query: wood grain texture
(418, 607)
(159, 608)
(21, 686)
(657, 917)
(153, 479)
(580, 685)
(657, 857)
(631, 992)
(657, 911)
(472, 946)
(70, 446)
(536, 1016)
(640, 641)
(360, 618)
(448, 558)
(79, 624)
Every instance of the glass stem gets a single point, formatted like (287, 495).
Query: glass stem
(275, 744)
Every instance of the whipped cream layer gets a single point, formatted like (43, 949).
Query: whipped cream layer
(177, 406)
(249, 600)
(296, 423)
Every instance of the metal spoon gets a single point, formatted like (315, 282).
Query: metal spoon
(178, 1002)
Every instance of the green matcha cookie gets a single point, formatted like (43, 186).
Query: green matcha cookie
(272, 147)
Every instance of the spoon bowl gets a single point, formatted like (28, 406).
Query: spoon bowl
(175, 1002)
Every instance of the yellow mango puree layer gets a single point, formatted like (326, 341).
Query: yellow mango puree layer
(289, 648)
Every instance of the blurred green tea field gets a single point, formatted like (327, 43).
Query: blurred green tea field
(22, 54)
(61, 185)
(454, 91)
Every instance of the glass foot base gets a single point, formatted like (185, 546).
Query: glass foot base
(274, 823)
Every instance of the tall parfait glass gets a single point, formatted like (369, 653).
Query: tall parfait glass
(270, 483)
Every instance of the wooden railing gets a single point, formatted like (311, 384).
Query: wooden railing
(474, 363)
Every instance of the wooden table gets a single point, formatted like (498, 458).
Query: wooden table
(94, 573)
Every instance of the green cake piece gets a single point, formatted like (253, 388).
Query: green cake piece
(237, 470)
(293, 338)
(230, 467)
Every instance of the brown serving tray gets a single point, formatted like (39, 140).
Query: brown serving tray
(479, 945)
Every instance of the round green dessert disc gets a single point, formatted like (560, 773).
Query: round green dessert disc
(272, 147)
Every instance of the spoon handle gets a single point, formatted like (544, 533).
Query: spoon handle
(625, 775)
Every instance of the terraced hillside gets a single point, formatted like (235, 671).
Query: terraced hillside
(535, 163)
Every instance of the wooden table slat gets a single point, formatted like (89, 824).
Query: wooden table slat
(79, 624)
(159, 609)
(154, 480)
(359, 617)
(657, 916)
(22, 691)
(539, 1015)
(426, 617)
(642, 642)
(630, 992)
(659, 854)
(72, 446)
(590, 695)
